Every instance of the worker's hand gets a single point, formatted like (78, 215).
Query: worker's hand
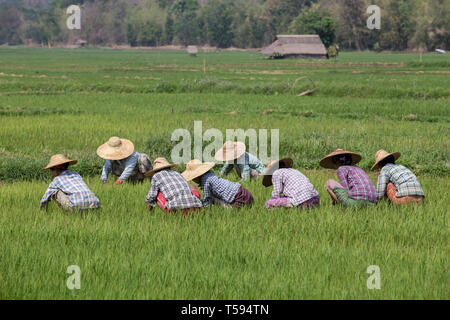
(118, 181)
(149, 207)
(104, 182)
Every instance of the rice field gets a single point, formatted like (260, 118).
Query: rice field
(71, 101)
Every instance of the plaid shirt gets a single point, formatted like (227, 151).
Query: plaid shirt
(71, 183)
(245, 162)
(357, 182)
(404, 180)
(213, 186)
(291, 183)
(174, 188)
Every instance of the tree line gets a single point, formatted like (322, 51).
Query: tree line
(405, 24)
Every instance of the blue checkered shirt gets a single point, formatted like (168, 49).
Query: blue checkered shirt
(72, 184)
(213, 186)
(404, 180)
(245, 162)
(291, 183)
(175, 189)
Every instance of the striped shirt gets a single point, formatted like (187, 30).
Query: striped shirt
(357, 182)
(245, 162)
(216, 187)
(404, 180)
(291, 183)
(72, 184)
(175, 190)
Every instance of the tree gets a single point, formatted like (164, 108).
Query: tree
(11, 25)
(217, 23)
(281, 12)
(352, 23)
(185, 25)
(315, 21)
(398, 26)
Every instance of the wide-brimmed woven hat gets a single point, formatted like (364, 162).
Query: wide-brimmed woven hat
(115, 149)
(159, 164)
(327, 161)
(383, 154)
(271, 167)
(195, 168)
(230, 151)
(57, 160)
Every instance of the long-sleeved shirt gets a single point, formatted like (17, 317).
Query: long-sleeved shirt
(123, 168)
(357, 182)
(213, 186)
(72, 184)
(291, 183)
(245, 162)
(404, 180)
(175, 190)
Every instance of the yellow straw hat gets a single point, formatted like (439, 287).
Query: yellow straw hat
(159, 164)
(195, 168)
(271, 167)
(57, 160)
(230, 151)
(115, 149)
(383, 154)
(327, 161)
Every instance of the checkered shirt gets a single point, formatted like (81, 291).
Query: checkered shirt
(357, 182)
(213, 186)
(404, 180)
(175, 190)
(245, 162)
(291, 183)
(71, 183)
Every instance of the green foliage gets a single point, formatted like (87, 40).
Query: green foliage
(218, 23)
(55, 102)
(126, 252)
(406, 24)
(312, 21)
(185, 26)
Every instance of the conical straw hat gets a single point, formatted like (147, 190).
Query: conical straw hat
(115, 149)
(59, 159)
(195, 168)
(271, 167)
(327, 161)
(230, 151)
(159, 164)
(383, 154)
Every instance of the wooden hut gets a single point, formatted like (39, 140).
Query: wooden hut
(297, 46)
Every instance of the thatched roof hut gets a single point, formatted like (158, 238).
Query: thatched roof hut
(81, 43)
(298, 46)
(192, 50)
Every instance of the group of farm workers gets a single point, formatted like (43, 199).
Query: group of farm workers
(172, 192)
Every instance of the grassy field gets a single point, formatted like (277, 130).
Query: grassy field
(71, 101)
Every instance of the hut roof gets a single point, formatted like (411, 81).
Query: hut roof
(296, 44)
(192, 49)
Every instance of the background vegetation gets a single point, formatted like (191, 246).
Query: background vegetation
(405, 24)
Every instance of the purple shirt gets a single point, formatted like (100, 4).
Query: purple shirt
(357, 182)
(292, 184)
